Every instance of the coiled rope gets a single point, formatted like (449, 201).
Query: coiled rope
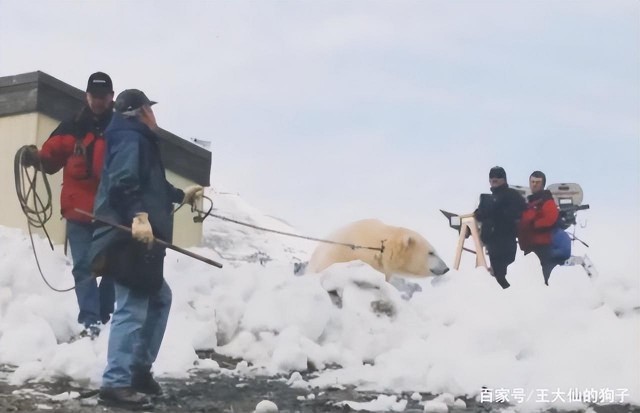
(37, 210)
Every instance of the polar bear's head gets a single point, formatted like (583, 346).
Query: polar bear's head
(409, 253)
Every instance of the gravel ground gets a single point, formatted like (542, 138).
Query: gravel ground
(205, 392)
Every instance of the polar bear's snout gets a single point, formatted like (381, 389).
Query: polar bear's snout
(438, 267)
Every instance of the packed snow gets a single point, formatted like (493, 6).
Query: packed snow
(455, 335)
(266, 406)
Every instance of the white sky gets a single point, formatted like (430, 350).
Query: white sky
(326, 112)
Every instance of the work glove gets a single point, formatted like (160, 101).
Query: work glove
(30, 156)
(192, 194)
(141, 228)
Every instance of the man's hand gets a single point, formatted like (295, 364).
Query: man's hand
(141, 228)
(192, 194)
(30, 156)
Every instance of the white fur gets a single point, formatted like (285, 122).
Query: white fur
(405, 251)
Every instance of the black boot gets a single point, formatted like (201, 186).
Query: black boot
(502, 280)
(144, 382)
(124, 397)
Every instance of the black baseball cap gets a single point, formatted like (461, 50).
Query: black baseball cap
(497, 172)
(99, 84)
(131, 99)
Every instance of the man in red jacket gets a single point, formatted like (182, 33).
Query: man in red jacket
(537, 223)
(77, 147)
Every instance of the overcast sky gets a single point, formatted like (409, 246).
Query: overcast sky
(328, 111)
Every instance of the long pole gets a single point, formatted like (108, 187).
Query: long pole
(159, 241)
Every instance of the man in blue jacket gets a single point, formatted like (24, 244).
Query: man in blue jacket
(134, 191)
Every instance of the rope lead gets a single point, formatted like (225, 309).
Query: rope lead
(203, 215)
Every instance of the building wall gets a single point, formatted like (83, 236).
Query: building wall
(186, 233)
(16, 131)
(34, 129)
(56, 226)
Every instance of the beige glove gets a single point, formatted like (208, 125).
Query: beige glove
(141, 228)
(192, 194)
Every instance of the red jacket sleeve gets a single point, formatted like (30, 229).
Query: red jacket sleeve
(57, 149)
(548, 215)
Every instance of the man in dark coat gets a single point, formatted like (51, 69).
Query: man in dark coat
(134, 191)
(499, 213)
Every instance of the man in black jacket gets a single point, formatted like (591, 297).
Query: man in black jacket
(499, 213)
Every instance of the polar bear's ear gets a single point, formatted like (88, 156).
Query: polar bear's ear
(408, 241)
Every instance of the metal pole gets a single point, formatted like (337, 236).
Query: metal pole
(159, 241)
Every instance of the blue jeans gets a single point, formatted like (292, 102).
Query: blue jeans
(96, 303)
(137, 329)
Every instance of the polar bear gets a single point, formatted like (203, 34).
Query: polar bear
(405, 252)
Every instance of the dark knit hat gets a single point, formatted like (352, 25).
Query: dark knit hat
(497, 172)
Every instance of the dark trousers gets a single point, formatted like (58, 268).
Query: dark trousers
(95, 303)
(546, 261)
(500, 256)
